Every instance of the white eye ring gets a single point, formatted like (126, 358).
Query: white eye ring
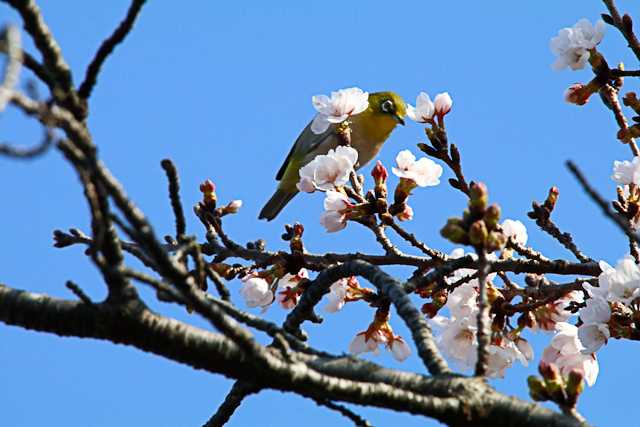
(387, 106)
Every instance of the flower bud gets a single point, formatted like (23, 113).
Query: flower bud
(430, 309)
(577, 94)
(379, 173)
(208, 190)
(549, 371)
(575, 386)
(233, 207)
(495, 241)
(478, 233)
(552, 198)
(442, 103)
(478, 197)
(406, 214)
(454, 232)
(492, 216)
(537, 389)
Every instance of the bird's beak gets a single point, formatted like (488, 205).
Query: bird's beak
(399, 119)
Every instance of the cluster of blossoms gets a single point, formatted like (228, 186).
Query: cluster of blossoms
(612, 307)
(426, 110)
(331, 172)
(379, 333)
(572, 46)
(457, 338)
(264, 288)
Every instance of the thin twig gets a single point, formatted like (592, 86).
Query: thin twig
(628, 34)
(239, 391)
(619, 220)
(174, 195)
(357, 420)
(107, 47)
(77, 291)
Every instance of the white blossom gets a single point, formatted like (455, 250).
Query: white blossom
(442, 104)
(627, 172)
(285, 297)
(593, 336)
(342, 104)
(571, 45)
(565, 351)
(306, 184)
(424, 172)
(328, 171)
(525, 349)
(516, 230)
(499, 359)
(400, 349)
(594, 332)
(255, 291)
(336, 296)
(423, 111)
(622, 283)
(597, 310)
(363, 343)
(458, 340)
(334, 217)
(550, 315)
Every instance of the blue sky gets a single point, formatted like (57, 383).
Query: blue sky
(223, 88)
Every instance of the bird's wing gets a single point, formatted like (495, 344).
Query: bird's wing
(306, 143)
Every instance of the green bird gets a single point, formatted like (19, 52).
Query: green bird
(369, 130)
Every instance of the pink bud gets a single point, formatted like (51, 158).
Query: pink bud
(577, 94)
(406, 214)
(207, 186)
(442, 103)
(379, 173)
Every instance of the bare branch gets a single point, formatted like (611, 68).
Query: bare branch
(239, 391)
(107, 47)
(357, 420)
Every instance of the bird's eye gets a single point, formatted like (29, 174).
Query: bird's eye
(387, 106)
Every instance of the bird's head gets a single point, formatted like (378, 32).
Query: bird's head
(388, 104)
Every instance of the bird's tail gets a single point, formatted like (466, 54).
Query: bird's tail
(275, 204)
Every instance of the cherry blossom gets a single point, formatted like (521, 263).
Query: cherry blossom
(328, 171)
(255, 291)
(287, 295)
(424, 172)
(572, 45)
(627, 172)
(366, 341)
(620, 284)
(336, 296)
(565, 351)
(399, 349)
(423, 111)
(516, 230)
(336, 206)
(342, 104)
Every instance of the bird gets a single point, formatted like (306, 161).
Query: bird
(369, 130)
